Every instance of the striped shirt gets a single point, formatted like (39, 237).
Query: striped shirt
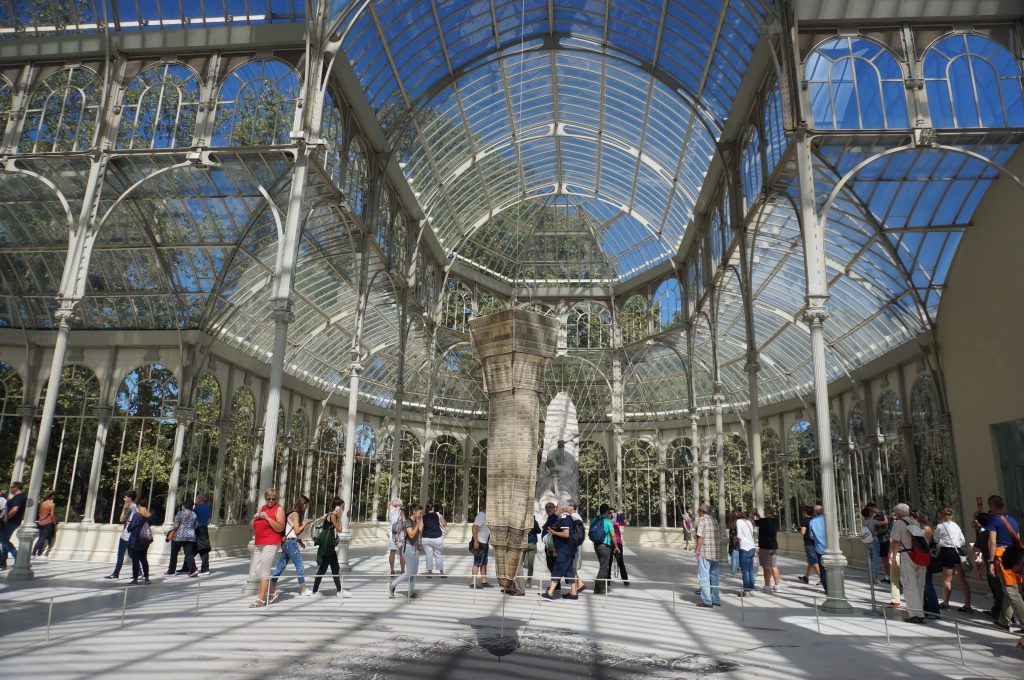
(707, 530)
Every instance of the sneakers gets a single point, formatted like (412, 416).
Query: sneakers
(166, 573)
(766, 589)
(146, 581)
(194, 574)
(341, 594)
(776, 590)
(317, 596)
(569, 596)
(546, 596)
(114, 577)
(391, 592)
(306, 593)
(804, 579)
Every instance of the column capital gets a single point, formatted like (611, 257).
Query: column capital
(282, 313)
(718, 397)
(618, 430)
(26, 410)
(66, 310)
(103, 412)
(815, 314)
(355, 367)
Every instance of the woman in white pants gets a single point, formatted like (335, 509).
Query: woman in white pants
(433, 539)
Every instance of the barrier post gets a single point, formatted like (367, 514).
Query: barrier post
(817, 620)
(343, 589)
(743, 607)
(198, 582)
(49, 618)
(959, 643)
(124, 605)
(885, 622)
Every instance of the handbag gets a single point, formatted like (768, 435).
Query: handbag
(170, 535)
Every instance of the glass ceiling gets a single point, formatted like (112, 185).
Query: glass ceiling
(614, 107)
(567, 144)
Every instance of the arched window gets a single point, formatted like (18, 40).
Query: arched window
(410, 470)
(936, 476)
(332, 131)
(365, 474)
(633, 320)
(292, 469)
(239, 457)
(62, 113)
(444, 489)
(328, 464)
(159, 108)
(973, 81)
(857, 432)
(678, 479)
(640, 495)
(595, 478)
(357, 178)
(750, 167)
(69, 459)
(589, 326)
(199, 460)
(668, 305)
(774, 129)
(739, 487)
(12, 391)
(6, 95)
(693, 285)
(893, 454)
(256, 104)
(477, 484)
(538, 308)
(854, 84)
(805, 481)
(717, 247)
(140, 440)
(458, 307)
(771, 462)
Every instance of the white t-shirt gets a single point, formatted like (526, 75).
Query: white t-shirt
(394, 514)
(745, 532)
(949, 535)
(483, 534)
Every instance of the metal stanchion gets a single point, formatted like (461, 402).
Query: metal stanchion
(960, 644)
(885, 622)
(673, 598)
(198, 582)
(49, 618)
(124, 605)
(743, 609)
(817, 620)
(342, 590)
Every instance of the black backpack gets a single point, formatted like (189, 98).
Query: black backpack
(578, 532)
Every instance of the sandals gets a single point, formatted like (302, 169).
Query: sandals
(967, 609)
(257, 603)
(945, 605)
(273, 597)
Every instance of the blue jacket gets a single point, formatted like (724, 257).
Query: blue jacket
(817, 527)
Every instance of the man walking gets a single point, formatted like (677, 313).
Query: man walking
(912, 575)
(707, 553)
(14, 513)
(816, 528)
(203, 514)
(128, 510)
(768, 548)
(1003, 533)
(565, 556)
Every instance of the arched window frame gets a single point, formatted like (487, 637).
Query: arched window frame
(62, 113)
(774, 127)
(589, 326)
(855, 83)
(667, 308)
(159, 108)
(751, 167)
(633, 319)
(256, 104)
(987, 92)
(458, 306)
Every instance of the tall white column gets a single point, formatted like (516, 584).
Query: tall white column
(756, 466)
(22, 569)
(787, 519)
(662, 486)
(184, 416)
(282, 317)
(720, 466)
(345, 539)
(815, 316)
(102, 415)
(617, 459)
(28, 414)
(695, 452)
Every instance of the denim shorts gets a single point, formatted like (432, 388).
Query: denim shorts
(480, 556)
(811, 553)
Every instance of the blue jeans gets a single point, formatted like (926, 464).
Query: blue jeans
(747, 566)
(707, 576)
(931, 598)
(5, 543)
(734, 561)
(412, 565)
(873, 560)
(122, 548)
(290, 553)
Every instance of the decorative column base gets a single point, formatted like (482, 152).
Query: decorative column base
(344, 543)
(22, 569)
(252, 583)
(835, 567)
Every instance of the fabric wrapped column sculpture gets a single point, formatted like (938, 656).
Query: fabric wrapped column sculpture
(513, 347)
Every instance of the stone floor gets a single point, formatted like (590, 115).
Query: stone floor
(202, 628)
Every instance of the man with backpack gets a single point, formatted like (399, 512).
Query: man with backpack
(907, 538)
(1004, 532)
(565, 556)
(601, 533)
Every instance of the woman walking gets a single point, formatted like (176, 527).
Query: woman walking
(290, 548)
(931, 598)
(267, 525)
(326, 552)
(183, 537)
(412, 532)
(395, 515)
(433, 539)
(951, 541)
(140, 537)
(44, 524)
